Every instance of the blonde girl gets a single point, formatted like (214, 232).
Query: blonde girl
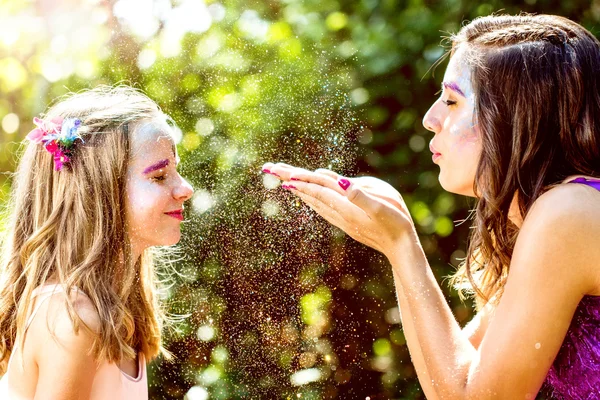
(96, 188)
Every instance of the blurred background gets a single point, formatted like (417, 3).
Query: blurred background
(273, 303)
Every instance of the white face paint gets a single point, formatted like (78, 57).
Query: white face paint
(155, 190)
(457, 141)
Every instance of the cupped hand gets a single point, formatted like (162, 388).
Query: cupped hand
(366, 208)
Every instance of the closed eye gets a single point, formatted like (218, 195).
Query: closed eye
(159, 178)
(449, 102)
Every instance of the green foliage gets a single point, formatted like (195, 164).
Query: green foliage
(280, 305)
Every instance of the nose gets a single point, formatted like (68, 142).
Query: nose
(431, 121)
(183, 191)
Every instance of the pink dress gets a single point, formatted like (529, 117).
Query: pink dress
(110, 383)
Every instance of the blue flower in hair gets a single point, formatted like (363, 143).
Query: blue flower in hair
(68, 132)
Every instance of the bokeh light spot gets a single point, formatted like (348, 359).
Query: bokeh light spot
(206, 333)
(10, 123)
(305, 376)
(336, 21)
(202, 201)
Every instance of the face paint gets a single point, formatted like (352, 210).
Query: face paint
(463, 129)
(457, 142)
(155, 190)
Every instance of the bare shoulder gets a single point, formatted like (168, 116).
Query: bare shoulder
(568, 202)
(569, 211)
(86, 310)
(54, 324)
(82, 306)
(63, 354)
(563, 225)
(553, 265)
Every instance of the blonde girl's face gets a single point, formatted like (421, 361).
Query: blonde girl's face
(155, 191)
(456, 145)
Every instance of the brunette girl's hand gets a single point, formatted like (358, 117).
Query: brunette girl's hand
(368, 209)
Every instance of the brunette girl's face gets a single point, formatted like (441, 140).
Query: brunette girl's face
(456, 145)
(155, 190)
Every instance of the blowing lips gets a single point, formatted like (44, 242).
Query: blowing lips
(436, 154)
(177, 214)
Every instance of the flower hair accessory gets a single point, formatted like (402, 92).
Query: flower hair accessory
(58, 137)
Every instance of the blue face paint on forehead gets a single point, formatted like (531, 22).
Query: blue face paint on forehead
(458, 76)
(148, 133)
(457, 79)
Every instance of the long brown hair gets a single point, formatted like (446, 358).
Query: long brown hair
(536, 80)
(69, 225)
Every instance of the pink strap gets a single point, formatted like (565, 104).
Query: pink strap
(46, 291)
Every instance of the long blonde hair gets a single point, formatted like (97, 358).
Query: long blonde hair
(70, 226)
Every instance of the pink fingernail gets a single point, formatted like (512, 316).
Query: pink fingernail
(267, 171)
(285, 186)
(291, 187)
(344, 183)
(294, 179)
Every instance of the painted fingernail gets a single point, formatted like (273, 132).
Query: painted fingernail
(291, 187)
(285, 187)
(294, 179)
(344, 183)
(268, 171)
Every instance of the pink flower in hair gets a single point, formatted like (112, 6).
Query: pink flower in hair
(58, 137)
(44, 128)
(36, 135)
(60, 158)
(52, 146)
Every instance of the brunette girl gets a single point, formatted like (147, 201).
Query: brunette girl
(517, 126)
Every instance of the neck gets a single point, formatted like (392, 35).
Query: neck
(136, 249)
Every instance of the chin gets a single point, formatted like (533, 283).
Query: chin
(456, 187)
(170, 240)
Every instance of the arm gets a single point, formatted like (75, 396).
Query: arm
(445, 351)
(473, 331)
(414, 348)
(533, 316)
(535, 311)
(66, 367)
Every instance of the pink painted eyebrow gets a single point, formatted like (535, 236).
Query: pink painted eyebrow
(158, 165)
(453, 86)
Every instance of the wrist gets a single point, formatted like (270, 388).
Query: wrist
(407, 245)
